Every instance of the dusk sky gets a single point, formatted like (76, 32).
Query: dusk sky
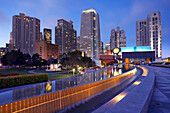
(113, 13)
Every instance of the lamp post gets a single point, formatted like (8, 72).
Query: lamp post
(73, 71)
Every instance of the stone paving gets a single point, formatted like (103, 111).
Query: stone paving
(160, 102)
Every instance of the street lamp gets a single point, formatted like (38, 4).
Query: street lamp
(73, 71)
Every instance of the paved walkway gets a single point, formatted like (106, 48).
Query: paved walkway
(33, 72)
(104, 108)
(102, 99)
(160, 102)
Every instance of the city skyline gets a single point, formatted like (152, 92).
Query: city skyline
(117, 38)
(110, 17)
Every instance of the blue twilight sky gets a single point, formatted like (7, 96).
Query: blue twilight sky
(113, 13)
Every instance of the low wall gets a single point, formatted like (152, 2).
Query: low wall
(138, 100)
(57, 101)
(161, 65)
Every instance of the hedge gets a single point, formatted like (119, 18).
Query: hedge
(12, 81)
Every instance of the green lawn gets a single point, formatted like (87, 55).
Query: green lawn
(21, 71)
(53, 75)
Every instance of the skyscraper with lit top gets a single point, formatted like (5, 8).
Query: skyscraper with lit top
(90, 33)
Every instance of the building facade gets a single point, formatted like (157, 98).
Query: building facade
(137, 54)
(78, 43)
(141, 35)
(41, 36)
(149, 33)
(90, 33)
(65, 36)
(107, 47)
(47, 35)
(25, 33)
(117, 38)
(10, 47)
(10, 41)
(101, 48)
(46, 50)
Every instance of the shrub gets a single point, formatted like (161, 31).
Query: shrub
(12, 81)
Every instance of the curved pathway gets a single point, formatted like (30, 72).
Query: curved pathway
(33, 72)
(160, 102)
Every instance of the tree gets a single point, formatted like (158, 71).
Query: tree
(72, 59)
(3, 60)
(43, 62)
(36, 59)
(27, 60)
(11, 58)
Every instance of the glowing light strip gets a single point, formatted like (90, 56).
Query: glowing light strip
(136, 83)
(89, 10)
(120, 96)
(106, 82)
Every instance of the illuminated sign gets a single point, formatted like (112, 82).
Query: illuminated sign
(47, 35)
(116, 50)
(136, 49)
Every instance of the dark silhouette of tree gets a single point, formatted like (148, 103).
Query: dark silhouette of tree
(43, 62)
(36, 59)
(3, 60)
(72, 59)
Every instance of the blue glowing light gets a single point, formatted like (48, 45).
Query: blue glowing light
(135, 49)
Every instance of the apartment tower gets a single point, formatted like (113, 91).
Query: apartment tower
(90, 33)
(148, 33)
(65, 36)
(25, 33)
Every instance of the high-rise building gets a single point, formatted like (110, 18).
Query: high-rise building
(154, 33)
(10, 41)
(151, 34)
(47, 35)
(107, 47)
(101, 47)
(117, 38)
(65, 36)
(90, 33)
(41, 36)
(141, 35)
(25, 32)
(78, 43)
(10, 47)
